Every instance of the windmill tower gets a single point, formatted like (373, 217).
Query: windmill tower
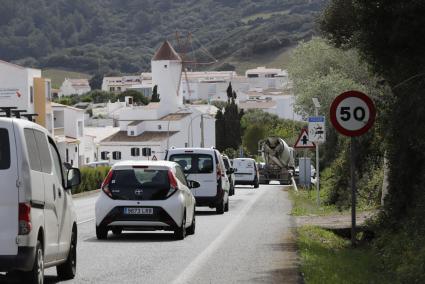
(166, 67)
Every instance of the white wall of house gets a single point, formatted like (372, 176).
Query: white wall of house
(285, 108)
(17, 86)
(67, 88)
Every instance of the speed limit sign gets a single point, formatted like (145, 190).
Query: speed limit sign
(352, 113)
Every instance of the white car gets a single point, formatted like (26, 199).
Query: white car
(246, 172)
(206, 166)
(38, 226)
(146, 195)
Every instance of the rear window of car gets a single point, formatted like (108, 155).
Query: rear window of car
(146, 178)
(139, 184)
(244, 164)
(194, 163)
(4, 149)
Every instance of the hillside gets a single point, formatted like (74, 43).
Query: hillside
(121, 35)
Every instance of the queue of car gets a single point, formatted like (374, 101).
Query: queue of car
(37, 215)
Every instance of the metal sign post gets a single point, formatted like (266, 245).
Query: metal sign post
(317, 134)
(353, 189)
(352, 114)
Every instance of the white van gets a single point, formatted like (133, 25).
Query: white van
(246, 172)
(38, 227)
(206, 166)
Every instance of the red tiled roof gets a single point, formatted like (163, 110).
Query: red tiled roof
(166, 52)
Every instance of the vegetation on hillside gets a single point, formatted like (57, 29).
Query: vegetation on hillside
(98, 36)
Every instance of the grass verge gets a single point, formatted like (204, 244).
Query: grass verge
(304, 203)
(328, 258)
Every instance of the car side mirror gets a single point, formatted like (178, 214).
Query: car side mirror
(230, 171)
(73, 178)
(193, 184)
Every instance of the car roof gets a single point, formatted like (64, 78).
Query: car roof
(144, 163)
(192, 150)
(242, 159)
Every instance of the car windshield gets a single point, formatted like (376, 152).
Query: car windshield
(4, 149)
(194, 163)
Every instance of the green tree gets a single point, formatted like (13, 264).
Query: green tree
(253, 134)
(155, 96)
(95, 81)
(220, 134)
(138, 97)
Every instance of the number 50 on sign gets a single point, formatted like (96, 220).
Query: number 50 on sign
(352, 113)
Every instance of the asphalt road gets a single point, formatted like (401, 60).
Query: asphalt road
(252, 243)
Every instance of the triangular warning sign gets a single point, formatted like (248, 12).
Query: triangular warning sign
(303, 141)
(154, 158)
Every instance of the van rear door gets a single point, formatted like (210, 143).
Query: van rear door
(199, 167)
(9, 197)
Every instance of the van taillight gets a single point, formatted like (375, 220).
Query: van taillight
(24, 218)
(220, 173)
(173, 183)
(105, 184)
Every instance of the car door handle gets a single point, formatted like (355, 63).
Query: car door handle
(59, 192)
(54, 192)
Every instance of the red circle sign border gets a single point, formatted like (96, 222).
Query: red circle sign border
(361, 96)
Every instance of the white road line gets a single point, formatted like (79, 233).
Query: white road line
(200, 260)
(85, 221)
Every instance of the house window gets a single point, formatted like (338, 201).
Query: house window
(116, 155)
(131, 133)
(135, 152)
(159, 127)
(76, 149)
(87, 160)
(118, 88)
(112, 89)
(104, 155)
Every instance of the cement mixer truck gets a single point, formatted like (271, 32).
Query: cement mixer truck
(279, 160)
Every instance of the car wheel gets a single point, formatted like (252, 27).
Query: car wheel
(36, 275)
(67, 270)
(180, 232)
(117, 231)
(226, 207)
(191, 229)
(220, 207)
(101, 232)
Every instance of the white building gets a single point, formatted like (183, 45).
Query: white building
(119, 84)
(74, 146)
(159, 126)
(74, 87)
(25, 89)
(267, 78)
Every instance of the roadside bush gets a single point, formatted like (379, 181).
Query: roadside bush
(91, 178)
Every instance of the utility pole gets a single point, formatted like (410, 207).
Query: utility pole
(202, 131)
(316, 113)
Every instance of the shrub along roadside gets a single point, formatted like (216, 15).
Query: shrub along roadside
(91, 179)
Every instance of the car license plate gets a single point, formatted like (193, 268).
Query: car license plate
(138, 211)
